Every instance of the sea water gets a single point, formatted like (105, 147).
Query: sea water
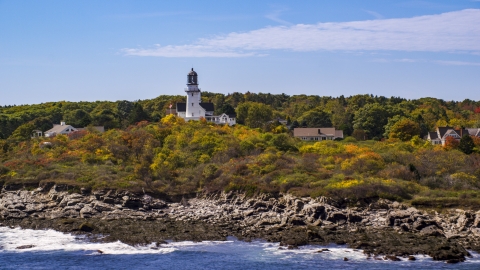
(55, 250)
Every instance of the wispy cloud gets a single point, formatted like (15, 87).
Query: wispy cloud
(147, 15)
(374, 14)
(275, 16)
(447, 32)
(457, 63)
(438, 62)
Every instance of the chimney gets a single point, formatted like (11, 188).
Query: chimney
(62, 123)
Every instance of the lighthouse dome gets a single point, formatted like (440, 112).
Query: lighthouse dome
(192, 73)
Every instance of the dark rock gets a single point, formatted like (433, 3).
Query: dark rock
(336, 217)
(25, 246)
(411, 258)
(431, 230)
(345, 259)
(86, 227)
(392, 258)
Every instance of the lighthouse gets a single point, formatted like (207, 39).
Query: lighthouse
(193, 108)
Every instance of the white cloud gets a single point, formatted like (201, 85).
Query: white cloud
(447, 32)
(457, 63)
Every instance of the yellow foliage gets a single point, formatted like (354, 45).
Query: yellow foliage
(329, 148)
(172, 120)
(345, 184)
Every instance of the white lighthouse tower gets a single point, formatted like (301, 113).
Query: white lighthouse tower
(193, 109)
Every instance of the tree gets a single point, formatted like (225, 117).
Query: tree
(78, 118)
(316, 118)
(137, 114)
(254, 114)
(466, 144)
(451, 143)
(227, 109)
(404, 130)
(23, 132)
(371, 118)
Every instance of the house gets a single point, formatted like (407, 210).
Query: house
(317, 134)
(222, 119)
(60, 129)
(67, 129)
(195, 109)
(442, 133)
(36, 133)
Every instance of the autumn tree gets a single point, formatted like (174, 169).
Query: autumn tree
(451, 143)
(404, 130)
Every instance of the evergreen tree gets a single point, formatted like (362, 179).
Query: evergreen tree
(466, 144)
(137, 114)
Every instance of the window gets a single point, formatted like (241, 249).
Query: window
(192, 94)
(192, 104)
(192, 113)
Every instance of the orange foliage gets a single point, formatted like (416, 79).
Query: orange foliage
(451, 143)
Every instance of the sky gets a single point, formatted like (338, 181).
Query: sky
(130, 50)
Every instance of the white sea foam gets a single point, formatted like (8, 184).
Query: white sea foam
(50, 240)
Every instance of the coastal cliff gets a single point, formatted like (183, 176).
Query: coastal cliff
(381, 228)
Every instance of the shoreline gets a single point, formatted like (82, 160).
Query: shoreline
(382, 228)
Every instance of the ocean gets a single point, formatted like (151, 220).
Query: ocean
(56, 250)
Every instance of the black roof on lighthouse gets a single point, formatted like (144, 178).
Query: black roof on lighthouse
(192, 73)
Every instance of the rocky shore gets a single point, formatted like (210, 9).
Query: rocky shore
(382, 229)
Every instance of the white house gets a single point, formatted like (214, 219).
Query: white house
(67, 129)
(317, 134)
(442, 133)
(195, 109)
(60, 129)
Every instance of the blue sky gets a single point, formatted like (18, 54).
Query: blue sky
(115, 50)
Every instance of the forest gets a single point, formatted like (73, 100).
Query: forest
(383, 155)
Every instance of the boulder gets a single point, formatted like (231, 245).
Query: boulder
(336, 217)
(87, 212)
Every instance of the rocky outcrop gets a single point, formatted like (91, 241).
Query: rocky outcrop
(381, 228)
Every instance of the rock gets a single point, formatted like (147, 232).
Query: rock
(102, 207)
(25, 246)
(336, 217)
(87, 212)
(296, 221)
(298, 205)
(86, 227)
(314, 210)
(345, 259)
(412, 258)
(392, 258)
(431, 230)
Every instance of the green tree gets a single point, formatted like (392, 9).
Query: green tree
(371, 119)
(466, 144)
(137, 114)
(78, 118)
(316, 118)
(404, 130)
(254, 114)
(23, 132)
